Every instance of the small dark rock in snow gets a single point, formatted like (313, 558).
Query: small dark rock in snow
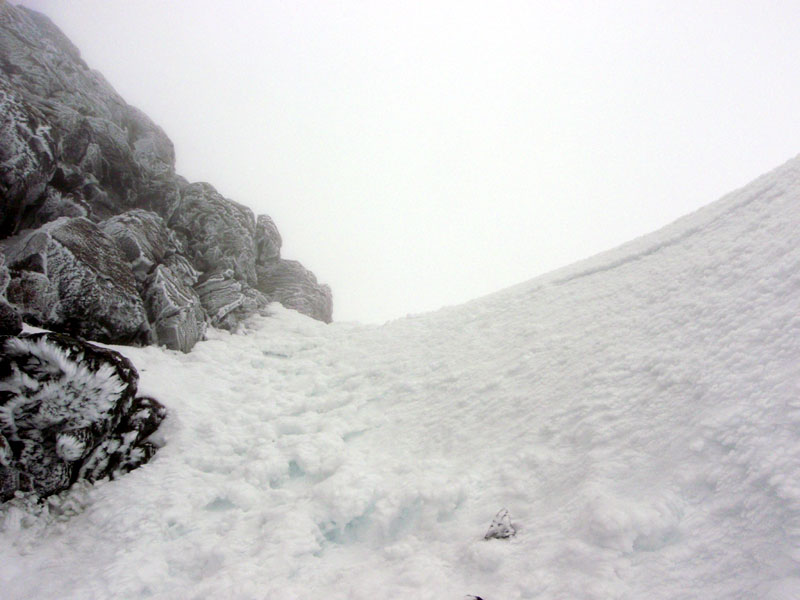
(68, 411)
(501, 526)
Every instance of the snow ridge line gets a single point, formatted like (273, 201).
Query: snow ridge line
(758, 193)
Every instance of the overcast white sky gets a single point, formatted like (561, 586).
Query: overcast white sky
(419, 154)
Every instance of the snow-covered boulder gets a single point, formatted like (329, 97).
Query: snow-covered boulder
(69, 275)
(294, 286)
(68, 411)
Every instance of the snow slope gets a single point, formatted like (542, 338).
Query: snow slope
(638, 414)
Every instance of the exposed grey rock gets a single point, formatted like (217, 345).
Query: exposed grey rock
(4, 276)
(85, 423)
(228, 301)
(73, 152)
(35, 297)
(27, 157)
(143, 238)
(69, 275)
(182, 269)
(268, 240)
(294, 286)
(219, 232)
(114, 149)
(174, 310)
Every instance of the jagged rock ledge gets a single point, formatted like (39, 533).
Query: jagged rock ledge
(99, 237)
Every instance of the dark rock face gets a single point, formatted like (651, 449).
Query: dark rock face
(68, 411)
(101, 140)
(10, 319)
(102, 238)
(291, 284)
(77, 272)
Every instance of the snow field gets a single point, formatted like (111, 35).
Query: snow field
(637, 413)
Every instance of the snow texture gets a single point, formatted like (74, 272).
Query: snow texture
(638, 413)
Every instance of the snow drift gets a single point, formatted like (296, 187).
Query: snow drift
(637, 413)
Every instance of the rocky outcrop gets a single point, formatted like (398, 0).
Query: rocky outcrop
(219, 233)
(227, 301)
(174, 310)
(68, 411)
(294, 286)
(69, 276)
(27, 156)
(268, 240)
(143, 238)
(102, 238)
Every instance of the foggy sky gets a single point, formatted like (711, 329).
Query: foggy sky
(420, 154)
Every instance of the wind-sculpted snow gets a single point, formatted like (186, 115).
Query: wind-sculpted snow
(637, 414)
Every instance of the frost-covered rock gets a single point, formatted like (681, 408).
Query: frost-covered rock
(227, 300)
(294, 286)
(73, 151)
(143, 238)
(112, 151)
(68, 411)
(219, 232)
(69, 275)
(10, 319)
(27, 156)
(268, 240)
(174, 310)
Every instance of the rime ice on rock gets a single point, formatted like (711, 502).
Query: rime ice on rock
(68, 411)
(501, 526)
(72, 149)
